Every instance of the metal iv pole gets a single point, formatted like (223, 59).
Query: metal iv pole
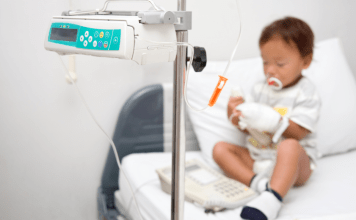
(178, 142)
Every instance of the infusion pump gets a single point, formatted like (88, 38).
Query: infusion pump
(123, 37)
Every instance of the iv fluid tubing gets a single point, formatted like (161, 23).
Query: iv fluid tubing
(237, 43)
(185, 85)
(106, 5)
(112, 144)
(222, 79)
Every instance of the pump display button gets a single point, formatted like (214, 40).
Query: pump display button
(116, 39)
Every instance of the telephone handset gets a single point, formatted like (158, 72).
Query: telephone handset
(207, 187)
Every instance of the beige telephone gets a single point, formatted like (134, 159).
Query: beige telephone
(207, 187)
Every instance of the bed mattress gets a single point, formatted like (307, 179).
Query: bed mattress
(329, 194)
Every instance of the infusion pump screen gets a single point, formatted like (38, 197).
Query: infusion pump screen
(64, 34)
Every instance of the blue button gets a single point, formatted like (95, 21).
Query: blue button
(100, 44)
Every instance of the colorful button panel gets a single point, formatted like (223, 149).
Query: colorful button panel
(90, 38)
(105, 39)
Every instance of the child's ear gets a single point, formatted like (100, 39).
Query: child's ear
(307, 61)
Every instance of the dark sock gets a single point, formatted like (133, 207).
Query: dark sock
(251, 213)
(252, 179)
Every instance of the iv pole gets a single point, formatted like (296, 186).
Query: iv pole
(178, 136)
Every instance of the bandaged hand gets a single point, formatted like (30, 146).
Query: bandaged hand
(259, 116)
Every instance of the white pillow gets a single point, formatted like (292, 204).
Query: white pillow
(337, 88)
(329, 72)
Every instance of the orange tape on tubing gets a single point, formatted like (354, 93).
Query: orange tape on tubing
(217, 91)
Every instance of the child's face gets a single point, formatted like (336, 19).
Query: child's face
(283, 61)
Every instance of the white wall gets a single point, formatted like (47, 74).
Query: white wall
(51, 153)
(215, 24)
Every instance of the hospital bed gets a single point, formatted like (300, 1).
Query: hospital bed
(143, 137)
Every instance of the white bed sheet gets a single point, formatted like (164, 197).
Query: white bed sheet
(329, 194)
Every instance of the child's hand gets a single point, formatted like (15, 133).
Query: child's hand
(232, 104)
(234, 118)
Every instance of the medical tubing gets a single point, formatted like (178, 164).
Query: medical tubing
(107, 136)
(138, 188)
(237, 43)
(106, 5)
(187, 70)
(222, 78)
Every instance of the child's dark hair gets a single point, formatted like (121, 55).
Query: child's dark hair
(290, 29)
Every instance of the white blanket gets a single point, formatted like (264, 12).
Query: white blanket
(329, 194)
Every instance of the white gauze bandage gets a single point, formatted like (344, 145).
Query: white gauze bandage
(262, 118)
(283, 125)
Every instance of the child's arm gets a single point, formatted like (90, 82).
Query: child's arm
(295, 131)
(231, 105)
(231, 109)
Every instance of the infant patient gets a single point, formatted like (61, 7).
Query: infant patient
(280, 119)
